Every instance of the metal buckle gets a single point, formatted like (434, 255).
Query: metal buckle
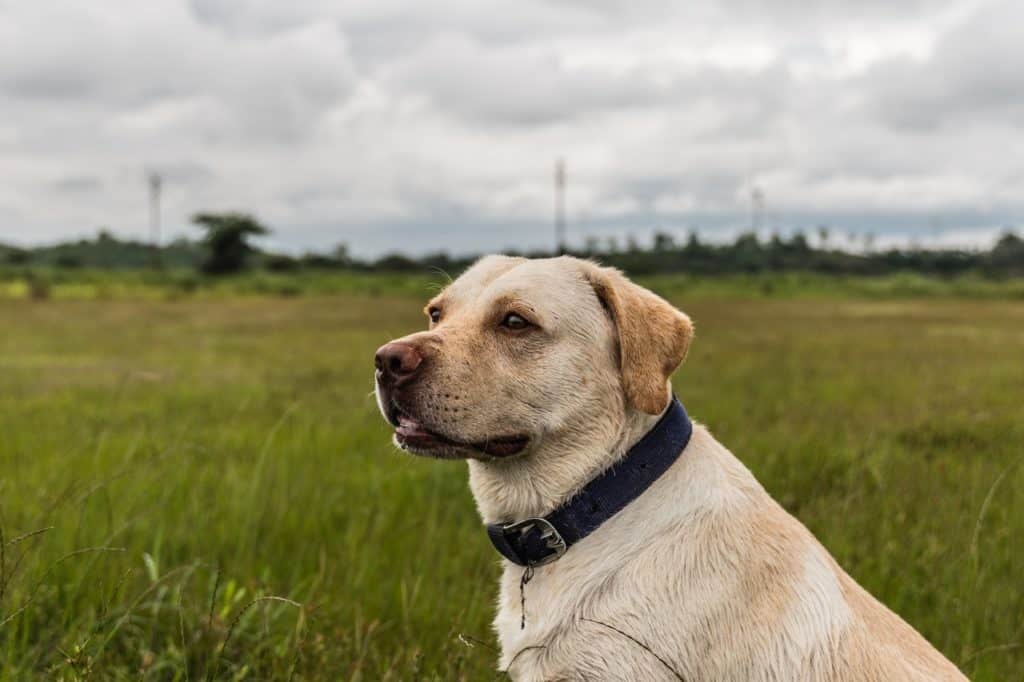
(548, 533)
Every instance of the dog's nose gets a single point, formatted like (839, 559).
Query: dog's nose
(397, 361)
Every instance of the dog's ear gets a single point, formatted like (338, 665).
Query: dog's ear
(653, 336)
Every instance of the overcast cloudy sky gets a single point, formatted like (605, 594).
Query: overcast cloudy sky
(428, 125)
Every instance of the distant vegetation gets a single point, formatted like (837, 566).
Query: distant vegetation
(106, 251)
(226, 249)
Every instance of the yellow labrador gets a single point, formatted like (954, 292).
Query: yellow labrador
(551, 377)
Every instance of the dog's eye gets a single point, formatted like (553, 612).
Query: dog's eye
(435, 315)
(515, 322)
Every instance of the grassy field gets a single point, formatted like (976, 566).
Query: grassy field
(198, 487)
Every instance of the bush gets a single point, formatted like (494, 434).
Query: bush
(38, 286)
(280, 263)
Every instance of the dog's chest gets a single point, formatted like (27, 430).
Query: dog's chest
(685, 605)
(615, 625)
(592, 614)
(564, 624)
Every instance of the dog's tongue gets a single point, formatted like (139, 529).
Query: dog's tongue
(409, 427)
(411, 431)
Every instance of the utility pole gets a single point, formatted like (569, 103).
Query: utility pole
(756, 209)
(155, 182)
(560, 205)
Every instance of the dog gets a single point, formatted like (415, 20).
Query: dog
(637, 547)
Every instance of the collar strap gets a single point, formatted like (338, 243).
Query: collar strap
(538, 541)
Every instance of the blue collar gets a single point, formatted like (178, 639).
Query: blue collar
(538, 541)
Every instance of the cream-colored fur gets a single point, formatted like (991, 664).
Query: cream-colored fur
(703, 577)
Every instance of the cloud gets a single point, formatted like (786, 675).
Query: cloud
(71, 184)
(156, 62)
(973, 77)
(391, 124)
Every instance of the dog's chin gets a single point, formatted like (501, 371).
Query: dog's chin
(413, 437)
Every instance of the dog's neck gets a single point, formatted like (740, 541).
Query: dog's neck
(535, 485)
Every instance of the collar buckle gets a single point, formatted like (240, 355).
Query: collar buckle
(538, 537)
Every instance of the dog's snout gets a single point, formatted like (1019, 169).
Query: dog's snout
(398, 361)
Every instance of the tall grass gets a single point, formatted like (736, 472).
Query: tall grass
(201, 488)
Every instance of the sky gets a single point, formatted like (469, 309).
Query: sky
(421, 127)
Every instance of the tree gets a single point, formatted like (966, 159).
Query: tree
(341, 254)
(823, 235)
(16, 256)
(1008, 253)
(693, 245)
(798, 243)
(227, 240)
(663, 241)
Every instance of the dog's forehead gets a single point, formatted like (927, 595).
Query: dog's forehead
(548, 278)
(547, 282)
(480, 275)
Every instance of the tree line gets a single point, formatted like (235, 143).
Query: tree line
(227, 247)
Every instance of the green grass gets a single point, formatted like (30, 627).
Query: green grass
(183, 458)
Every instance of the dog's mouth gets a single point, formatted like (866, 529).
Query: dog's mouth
(413, 436)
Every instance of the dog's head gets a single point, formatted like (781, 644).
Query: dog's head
(519, 352)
